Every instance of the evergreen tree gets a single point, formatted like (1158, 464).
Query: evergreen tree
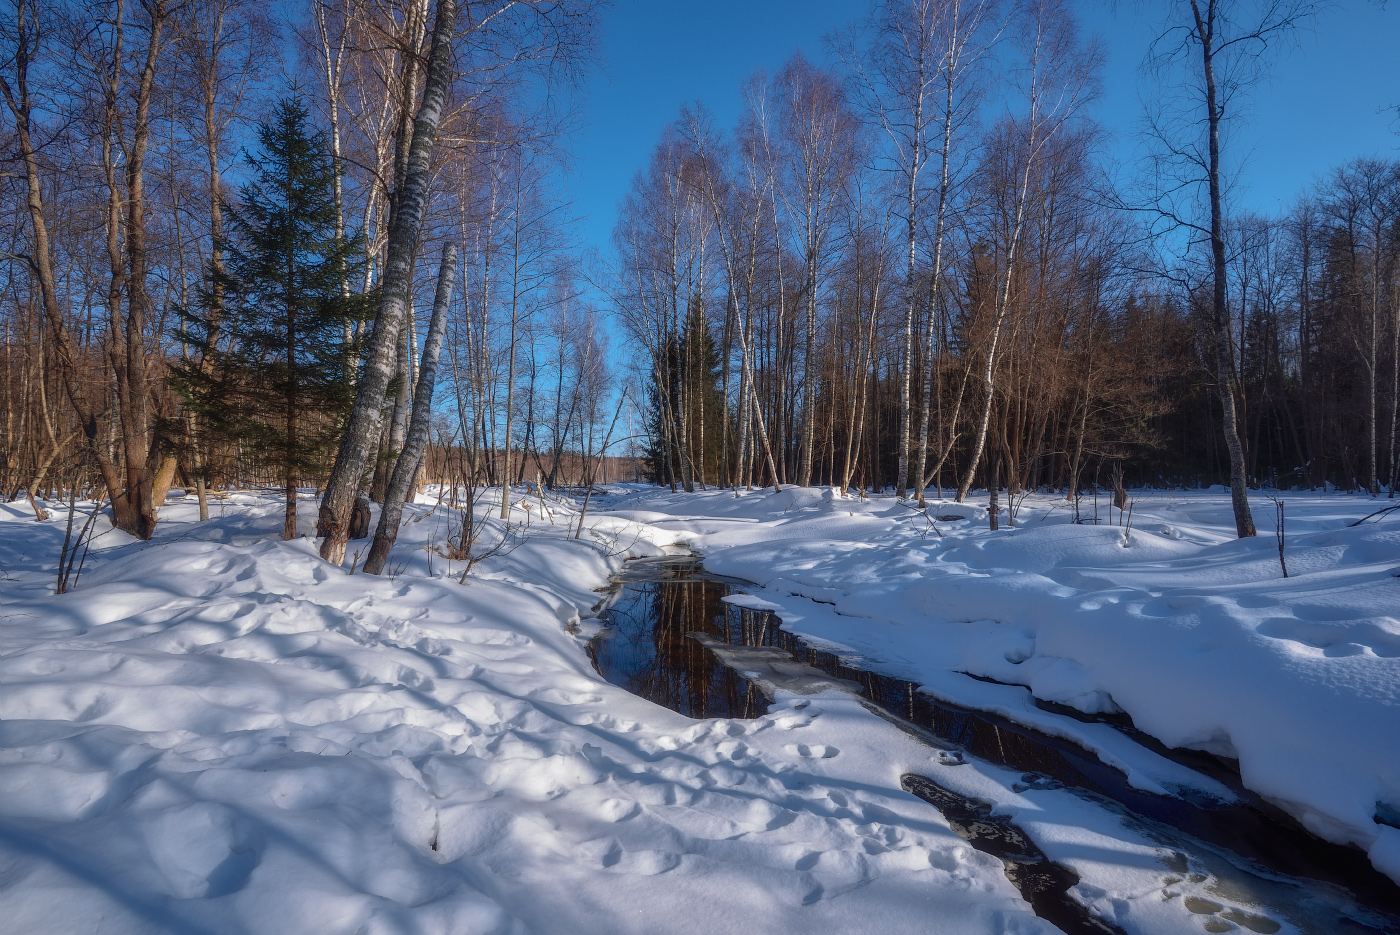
(687, 405)
(273, 367)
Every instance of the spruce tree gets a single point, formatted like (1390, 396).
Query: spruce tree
(272, 371)
(685, 389)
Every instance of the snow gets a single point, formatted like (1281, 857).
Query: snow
(1192, 632)
(216, 732)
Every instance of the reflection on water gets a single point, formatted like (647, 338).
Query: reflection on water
(646, 650)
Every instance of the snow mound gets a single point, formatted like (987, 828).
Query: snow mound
(1195, 634)
(1040, 548)
(216, 732)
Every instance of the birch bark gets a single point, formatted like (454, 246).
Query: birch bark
(417, 437)
(362, 432)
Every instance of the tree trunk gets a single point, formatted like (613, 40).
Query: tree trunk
(362, 432)
(360, 515)
(1394, 394)
(993, 489)
(137, 437)
(907, 357)
(417, 437)
(1224, 357)
(940, 226)
(164, 477)
(809, 399)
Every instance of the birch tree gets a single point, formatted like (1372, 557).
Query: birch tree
(897, 74)
(1060, 76)
(362, 433)
(407, 465)
(1208, 56)
(817, 131)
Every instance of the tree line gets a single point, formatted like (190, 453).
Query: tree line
(327, 248)
(914, 270)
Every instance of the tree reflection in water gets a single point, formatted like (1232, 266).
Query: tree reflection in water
(646, 651)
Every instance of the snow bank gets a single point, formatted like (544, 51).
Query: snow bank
(1193, 633)
(219, 733)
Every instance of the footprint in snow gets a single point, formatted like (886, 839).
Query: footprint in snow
(487, 636)
(1334, 638)
(561, 696)
(816, 751)
(618, 809)
(732, 750)
(1219, 918)
(641, 863)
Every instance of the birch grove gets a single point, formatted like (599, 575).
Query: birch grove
(905, 270)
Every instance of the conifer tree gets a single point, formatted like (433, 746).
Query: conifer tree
(687, 404)
(274, 374)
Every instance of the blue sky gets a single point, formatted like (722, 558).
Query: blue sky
(1325, 104)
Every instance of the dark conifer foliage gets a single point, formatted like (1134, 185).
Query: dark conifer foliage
(273, 335)
(686, 392)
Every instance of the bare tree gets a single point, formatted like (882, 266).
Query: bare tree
(408, 463)
(817, 133)
(1060, 77)
(898, 74)
(121, 124)
(965, 36)
(362, 433)
(1208, 56)
(218, 50)
(730, 218)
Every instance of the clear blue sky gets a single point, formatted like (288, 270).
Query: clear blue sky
(1325, 105)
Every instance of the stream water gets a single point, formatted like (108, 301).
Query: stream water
(669, 633)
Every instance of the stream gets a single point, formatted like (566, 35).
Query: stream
(671, 638)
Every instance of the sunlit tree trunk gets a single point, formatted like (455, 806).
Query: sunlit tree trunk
(411, 458)
(361, 434)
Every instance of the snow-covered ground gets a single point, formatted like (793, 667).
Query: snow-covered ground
(217, 732)
(1195, 634)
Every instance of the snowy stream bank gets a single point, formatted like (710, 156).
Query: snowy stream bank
(1192, 633)
(216, 732)
(693, 642)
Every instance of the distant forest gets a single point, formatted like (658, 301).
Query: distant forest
(912, 269)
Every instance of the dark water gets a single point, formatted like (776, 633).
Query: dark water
(648, 649)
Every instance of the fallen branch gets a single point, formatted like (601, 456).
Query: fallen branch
(1381, 513)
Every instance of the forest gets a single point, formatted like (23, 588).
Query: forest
(245, 238)
(901, 272)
